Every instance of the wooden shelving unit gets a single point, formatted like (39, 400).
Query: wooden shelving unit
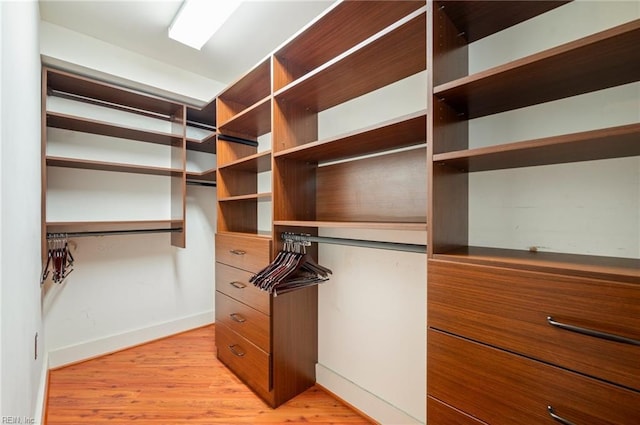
(203, 118)
(475, 290)
(96, 94)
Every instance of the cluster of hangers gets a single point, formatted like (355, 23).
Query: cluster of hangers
(59, 259)
(291, 269)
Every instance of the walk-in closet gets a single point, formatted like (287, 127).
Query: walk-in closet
(394, 212)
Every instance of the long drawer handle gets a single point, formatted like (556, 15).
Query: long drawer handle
(237, 251)
(592, 332)
(232, 348)
(237, 317)
(558, 418)
(237, 285)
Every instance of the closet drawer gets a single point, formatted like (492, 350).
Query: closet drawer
(244, 320)
(440, 413)
(251, 253)
(509, 309)
(502, 388)
(246, 360)
(235, 283)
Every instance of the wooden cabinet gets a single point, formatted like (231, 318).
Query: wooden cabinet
(519, 335)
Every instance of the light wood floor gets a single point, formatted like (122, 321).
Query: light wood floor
(175, 381)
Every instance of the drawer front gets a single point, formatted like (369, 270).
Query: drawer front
(246, 360)
(439, 413)
(244, 320)
(502, 388)
(509, 309)
(235, 283)
(251, 253)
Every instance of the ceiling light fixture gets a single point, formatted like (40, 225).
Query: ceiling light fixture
(197, 20)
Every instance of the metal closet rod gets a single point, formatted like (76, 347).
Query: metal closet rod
(238, 140)
(394, 246)
(111, 232)
(197, 183)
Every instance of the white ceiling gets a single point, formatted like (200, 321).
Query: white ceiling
(256, 29)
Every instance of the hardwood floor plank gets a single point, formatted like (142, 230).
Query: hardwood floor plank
(175, 381)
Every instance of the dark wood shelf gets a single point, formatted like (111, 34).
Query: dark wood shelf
(613, 142)
(478, 19)
(111, 226)
(244, 92)
(256, 163)
(590, 266)
(204, 176)
(379, 58)
(60, 81)
(408, 130)
(86, 164)
(254, 121)
(259, 233)
(336, 31)
(353, 225)
(602, 60)
(260, 197)
(86, 125)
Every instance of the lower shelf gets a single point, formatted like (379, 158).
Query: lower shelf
(591, 266)
(97, 228)
(353, 225)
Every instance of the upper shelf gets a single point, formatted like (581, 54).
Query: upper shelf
(479, 19)
(250, 89)
(395, 53)
(87, 164)
(256, 163)
(613, 142)
(602, 60)
(338, 30)
(253, 121)
(64, 82)
(401, 132)
(86, 125)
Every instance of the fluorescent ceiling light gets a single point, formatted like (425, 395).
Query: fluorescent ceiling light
(198, 20)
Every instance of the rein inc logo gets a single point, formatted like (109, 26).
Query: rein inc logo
(17, 420)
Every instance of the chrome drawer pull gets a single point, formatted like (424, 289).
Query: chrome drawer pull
(237, 285)
(232, 348)
(591, 332)
(558, 418)
(236, 317)
(237, 251)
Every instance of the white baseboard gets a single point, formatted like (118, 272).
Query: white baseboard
(98, 347)
(43, 387)
(363, 400)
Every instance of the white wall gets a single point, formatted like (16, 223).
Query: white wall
(20, 316)
(124, 290)
(372, 313)
(583, 208)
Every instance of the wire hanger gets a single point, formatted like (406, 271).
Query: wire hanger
(59, 259)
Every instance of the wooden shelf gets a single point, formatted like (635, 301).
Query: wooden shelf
(256, 163)
(339, 29)
(86, 164)
(260, 234)
(111, 226)
(94, 90)
(408, 130)
(206, 176)
(590, 266)
(614, 142)
(254, 121)
(245, 92)
(260, 197)
(353, 225)
(379, 58)
(479, 19)
(602, 60)
(85, 125)
(206, 115)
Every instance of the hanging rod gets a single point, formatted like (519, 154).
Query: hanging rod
(201, 125)
(238, 140)
(111, 232)
(394, 246)
(197, 183)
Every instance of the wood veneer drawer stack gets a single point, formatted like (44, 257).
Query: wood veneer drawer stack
(243, 324)
(496, 351)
